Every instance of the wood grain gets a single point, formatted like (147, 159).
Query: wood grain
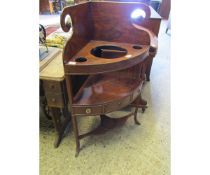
(100, 81)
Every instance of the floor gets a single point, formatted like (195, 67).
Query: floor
(127, 150)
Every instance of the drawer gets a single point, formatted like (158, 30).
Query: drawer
(87, 110)
(102, 109)
(55, 100)
(52, 87)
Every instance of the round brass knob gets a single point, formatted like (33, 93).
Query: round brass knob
(53, 99)
(88, 110)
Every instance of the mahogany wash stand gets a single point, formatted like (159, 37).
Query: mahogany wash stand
(105, 61)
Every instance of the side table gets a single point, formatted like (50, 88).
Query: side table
(52, 83)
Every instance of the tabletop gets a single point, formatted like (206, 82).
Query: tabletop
(54, 69)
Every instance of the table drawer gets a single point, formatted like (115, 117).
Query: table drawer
(52, 87)
(54, 100)
(87, 110)
(102, 109)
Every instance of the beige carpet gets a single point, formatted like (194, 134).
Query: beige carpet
(128, 150)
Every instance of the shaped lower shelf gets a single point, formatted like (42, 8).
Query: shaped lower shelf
(104, 93)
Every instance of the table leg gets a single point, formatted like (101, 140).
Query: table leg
(148, 69)
(59, 126)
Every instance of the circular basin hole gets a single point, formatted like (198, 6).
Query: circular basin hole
(108, 51)
(81, 59)
(152, 49)
(137, 47)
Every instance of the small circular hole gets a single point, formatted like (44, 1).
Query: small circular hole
(152, 49)
(81, 59)
(137, 47)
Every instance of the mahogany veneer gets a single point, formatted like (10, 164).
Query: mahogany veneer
(105, 61)
(94, 64)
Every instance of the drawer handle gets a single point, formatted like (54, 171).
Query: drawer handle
(53, 99)
(88, 110)
(119, 103)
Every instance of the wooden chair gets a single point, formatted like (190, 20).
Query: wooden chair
(105, 61)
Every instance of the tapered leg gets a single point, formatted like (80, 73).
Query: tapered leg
(57, 124)
(66, 112)
(135, 116)
(60, 127)
(76, 134)
(139, 103)
(148, 68)
(143, 103)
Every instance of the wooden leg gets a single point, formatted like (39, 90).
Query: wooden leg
(76, 134)
(66, 112)
(59, 127)
(46, 111)
(45, 108)
(57, 124)
(148, 68)
(140, 103)
(135, 116)
(143, 103)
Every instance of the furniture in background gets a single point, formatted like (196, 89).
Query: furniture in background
(53, 90)
(106, 59)
(165, 9)
(52, 6)
(155, 4)
(44, 6)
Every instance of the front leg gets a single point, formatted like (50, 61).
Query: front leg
(76, 134)
(135, 116)
(57, 124)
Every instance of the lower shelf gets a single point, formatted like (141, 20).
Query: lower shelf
(105, 93)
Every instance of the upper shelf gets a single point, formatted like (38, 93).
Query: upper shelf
(112, 23)
(103, 56)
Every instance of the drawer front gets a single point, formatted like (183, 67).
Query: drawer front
(52, 87)
(102, 109)
(87, 110)
(106, 108)
(54, 100)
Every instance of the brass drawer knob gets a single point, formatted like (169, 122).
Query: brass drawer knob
(88, 110)
(119, 103)
(53, 99)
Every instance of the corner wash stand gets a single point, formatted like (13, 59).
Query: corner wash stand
(105, 60)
